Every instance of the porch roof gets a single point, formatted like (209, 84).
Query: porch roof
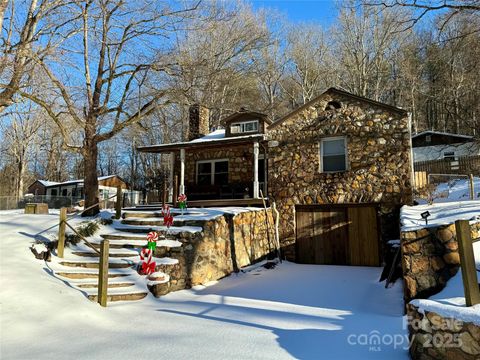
(214, 139)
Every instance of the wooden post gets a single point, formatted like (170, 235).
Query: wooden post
(103, 273)
(175, 192)
(164, 200)
(255, 171)
(118, 204)
(182, 172)
(472, 190)
(467, 263)
(61, 232)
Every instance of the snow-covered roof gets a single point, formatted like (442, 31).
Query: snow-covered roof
(78, 181)
(213, 138)
(215, 135)
(432, 132)
(47, 183)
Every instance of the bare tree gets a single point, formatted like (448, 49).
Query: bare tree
(367, 43)
(307, 52)
(422, 8)
(41, 23)
(19, 137)
(102, 87)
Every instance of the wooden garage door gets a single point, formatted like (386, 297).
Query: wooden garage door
(337, 235)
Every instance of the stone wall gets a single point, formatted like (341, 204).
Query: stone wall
(240, 163)
(226, 244)
(440, 338)
(378, 147)
(429, 258)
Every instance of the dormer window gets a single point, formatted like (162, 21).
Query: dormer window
(244, 127)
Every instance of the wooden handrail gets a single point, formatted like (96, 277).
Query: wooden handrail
(81, 237)
(92, 206)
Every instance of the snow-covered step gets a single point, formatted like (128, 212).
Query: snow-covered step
(111, 254)
(120, 297)
(110, 285)
(161, 229)
(135, 292)
(123, 235)
(86, 275)
(94, 264)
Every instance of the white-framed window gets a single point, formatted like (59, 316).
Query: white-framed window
(244, 127)
(333, 154)
(212, 172)
(449, 155)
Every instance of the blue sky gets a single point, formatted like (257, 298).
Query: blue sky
(321, 11)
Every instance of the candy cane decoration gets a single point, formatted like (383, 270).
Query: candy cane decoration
(152, 238)
(167, 217)
(148, 265)
(182, 202)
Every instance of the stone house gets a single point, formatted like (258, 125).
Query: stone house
(336, 150)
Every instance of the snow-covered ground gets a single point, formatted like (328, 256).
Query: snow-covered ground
(440, 214)
(450, 302)
(455, 190)
(292, 311)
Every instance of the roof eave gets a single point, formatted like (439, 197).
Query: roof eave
(201, 144)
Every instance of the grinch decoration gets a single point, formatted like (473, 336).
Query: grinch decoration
(182, 202)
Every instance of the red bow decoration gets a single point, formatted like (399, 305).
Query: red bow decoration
(148, 268)
(148, 265)
(168, 220)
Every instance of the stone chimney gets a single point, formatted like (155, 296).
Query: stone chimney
(198, 122)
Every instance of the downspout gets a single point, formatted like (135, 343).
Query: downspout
(265, 166)
(412, 168)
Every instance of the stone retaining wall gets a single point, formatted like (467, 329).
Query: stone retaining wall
(429, 258)
(226, 244)
(435, 337)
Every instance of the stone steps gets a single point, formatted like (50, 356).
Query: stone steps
(94, 265)
(110, 285)
(86, 275)
(120, 297)
(111, 255)
(80, 267)
(159, 222)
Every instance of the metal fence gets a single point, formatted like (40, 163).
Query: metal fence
(54, 202)
(130, 198)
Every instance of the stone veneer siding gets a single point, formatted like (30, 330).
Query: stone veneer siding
(429, 258)
(440, 338)
(379, 163)
(226, 244)
(239, 170)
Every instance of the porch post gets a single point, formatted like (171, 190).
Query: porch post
(170, 177)
(255, 170)
(182, 172)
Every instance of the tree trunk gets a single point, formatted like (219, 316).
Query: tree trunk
(90, 186)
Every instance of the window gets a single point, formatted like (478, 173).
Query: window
(428, 138)
(449, 155)
(333, 105)
(244, 127)
(212, 172)
(333, 154)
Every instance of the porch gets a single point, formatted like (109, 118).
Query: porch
(216, 171)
